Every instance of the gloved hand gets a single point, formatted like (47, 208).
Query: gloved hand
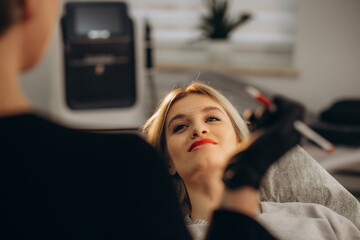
(249, 166)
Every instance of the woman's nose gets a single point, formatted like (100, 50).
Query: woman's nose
(198, 131)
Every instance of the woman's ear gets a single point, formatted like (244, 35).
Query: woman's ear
(240, 145)
(171, 166)
(244, 143)
(29, 7)
(172, 169)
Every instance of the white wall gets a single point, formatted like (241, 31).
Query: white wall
(327, 54)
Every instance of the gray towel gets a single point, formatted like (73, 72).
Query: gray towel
(297, 177)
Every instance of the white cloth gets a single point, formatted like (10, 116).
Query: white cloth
(295, 221)
(198, 228)
(305, 221)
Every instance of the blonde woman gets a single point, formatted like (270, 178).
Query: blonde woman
(198, 131)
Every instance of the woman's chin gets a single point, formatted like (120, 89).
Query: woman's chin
(209, 165)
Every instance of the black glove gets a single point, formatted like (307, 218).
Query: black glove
(249, 166)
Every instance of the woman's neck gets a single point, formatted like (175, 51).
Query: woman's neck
(205, 197)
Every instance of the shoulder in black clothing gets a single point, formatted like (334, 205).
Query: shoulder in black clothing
(61, 183)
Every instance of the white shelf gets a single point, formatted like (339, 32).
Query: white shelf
(233, 58)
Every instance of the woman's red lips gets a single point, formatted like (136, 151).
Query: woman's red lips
(200, 142)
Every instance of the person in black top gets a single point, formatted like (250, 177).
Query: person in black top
(59, 183)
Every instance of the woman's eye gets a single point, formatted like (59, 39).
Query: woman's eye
(212, 119)
(179, 127)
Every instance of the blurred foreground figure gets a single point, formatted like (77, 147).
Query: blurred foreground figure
(58, 183)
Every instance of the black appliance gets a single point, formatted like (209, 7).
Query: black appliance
(99, 55)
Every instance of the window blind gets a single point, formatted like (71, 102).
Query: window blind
(272, 25)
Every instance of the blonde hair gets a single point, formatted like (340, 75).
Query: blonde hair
(154, 128)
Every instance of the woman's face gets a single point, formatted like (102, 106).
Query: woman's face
(199, 136)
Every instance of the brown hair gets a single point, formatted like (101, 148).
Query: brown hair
(154, 128)
(10, 12)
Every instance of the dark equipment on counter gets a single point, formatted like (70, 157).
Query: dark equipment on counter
(99, 56)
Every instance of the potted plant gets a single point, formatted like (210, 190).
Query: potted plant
(216, 26)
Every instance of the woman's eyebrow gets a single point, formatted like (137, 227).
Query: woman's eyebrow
(178, 116)
(211, 108)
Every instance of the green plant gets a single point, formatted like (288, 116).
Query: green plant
(216, 23)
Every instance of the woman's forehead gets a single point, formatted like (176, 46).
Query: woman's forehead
(192, 104)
